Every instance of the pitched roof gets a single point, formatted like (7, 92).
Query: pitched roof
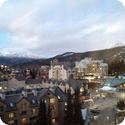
(59, 93)
(11, 98)
(3, 80)
(33, 81)
(20, 78)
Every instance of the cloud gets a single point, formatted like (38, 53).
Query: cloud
(52, 27)
(122, 1)
(2, 2)
(114, 27)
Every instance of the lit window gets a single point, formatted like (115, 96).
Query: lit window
(33, 111)
(11, 122)
(24, 121)
(11, 115)
(53, 121)
(52, 100)
(65, 103)
(81, 89)
(27, 87)
(5, 87)
(45, 101)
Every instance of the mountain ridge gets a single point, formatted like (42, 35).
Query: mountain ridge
(110, 54)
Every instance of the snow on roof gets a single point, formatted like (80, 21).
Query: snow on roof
(1, 122)
(84, 113)
(103, 64)
(123, 123)
(106, 88)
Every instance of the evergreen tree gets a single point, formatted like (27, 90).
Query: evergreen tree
(49, 121)
(68, 116)
(78, 120)
(33, 73)
(42, 120)
(121, 104)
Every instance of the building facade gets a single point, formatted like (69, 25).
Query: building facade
(44, 72)
(91, 68)
(57, 71)
(22, 108)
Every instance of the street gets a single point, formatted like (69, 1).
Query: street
(107, 113)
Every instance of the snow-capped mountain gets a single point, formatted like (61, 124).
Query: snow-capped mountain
(118, 45)
(5, 52)
(16, 56)
(12, 57)
(68, 54)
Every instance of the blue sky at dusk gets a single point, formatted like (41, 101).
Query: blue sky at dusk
(50, 27)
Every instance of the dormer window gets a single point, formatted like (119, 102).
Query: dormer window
(11, 105)
(59, 97)
(33, 101)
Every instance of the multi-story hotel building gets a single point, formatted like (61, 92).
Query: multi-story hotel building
(22, 107)
(89, 67)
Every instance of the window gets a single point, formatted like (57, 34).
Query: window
(24, 106)
(23, 113)
(1, 108)
(11, 115)
(53, 121)
(5, 87)
(24, 121)
(81, 90)
(11, 122)
(11, 105)
(33, 111)
(52, 100)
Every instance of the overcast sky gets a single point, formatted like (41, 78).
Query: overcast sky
(50, 27)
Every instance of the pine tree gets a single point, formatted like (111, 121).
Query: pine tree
(33, 73)
(49, 122)
(121, 104)
(68, 117)
(42, 120)
(78, 120)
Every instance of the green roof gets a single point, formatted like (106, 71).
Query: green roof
(112, 82)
